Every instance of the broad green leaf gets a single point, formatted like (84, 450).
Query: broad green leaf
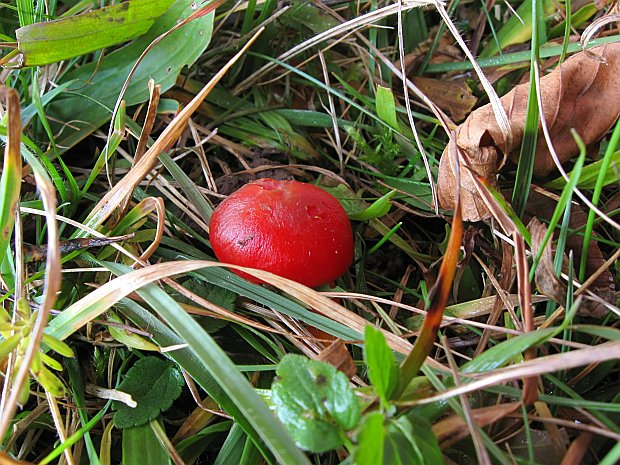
(398, 450)
(315, 402)
(154, 384)
(411, 444)
(141, 447)
(382, 367)
(370, 439)
(420, 430)
(51, 41)
(99, 83)
(386, 106)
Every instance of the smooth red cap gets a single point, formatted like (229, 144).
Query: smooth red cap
(292, 229)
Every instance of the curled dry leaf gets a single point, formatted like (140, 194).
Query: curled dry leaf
(546, 280)
(542, 205)
(453, 96)
(583, 93)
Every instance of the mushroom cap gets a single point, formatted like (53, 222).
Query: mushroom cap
(289, 228)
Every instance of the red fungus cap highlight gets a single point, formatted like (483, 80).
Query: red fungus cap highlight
(289, 228)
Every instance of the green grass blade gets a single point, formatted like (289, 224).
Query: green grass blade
(10, 182)
(547, 51)
(567, 194)
(525, 167)
(596, 195)
(590, 174)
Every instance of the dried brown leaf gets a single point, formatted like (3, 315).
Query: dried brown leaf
(578, 449)
(582, 93)
(336, 354)
(453, 96)
(601, 281)
(452, 429)
(547, 281)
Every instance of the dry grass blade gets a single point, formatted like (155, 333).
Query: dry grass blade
(438, 299)
(536, 367)
(98, 301)
(341, 29)
(454, 428)
(11, 169)
(114, 198)
(530, 389)
(52, 278)
(481, 452)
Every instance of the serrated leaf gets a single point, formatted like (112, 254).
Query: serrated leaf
(154, 384)
(52, 41)
(315, 402)
(382, 368)
(371, 440)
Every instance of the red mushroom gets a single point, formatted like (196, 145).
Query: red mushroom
(292, 229)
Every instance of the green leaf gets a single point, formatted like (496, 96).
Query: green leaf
(315, 402)
(58, 346)
(50, 382)
(202, 358)
(128, 338)
(518, 28)
(507, 350)
(98, 83)
(377, 209)
(371, 440)
(382, 367)
(421, 433)
(154, 384)
(408, 444)
(225, 298)
(52, 41)
(7, 345)
(590, 174)
(386, 106)
(141, 447)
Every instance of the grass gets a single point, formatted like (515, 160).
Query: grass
(472, 359)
